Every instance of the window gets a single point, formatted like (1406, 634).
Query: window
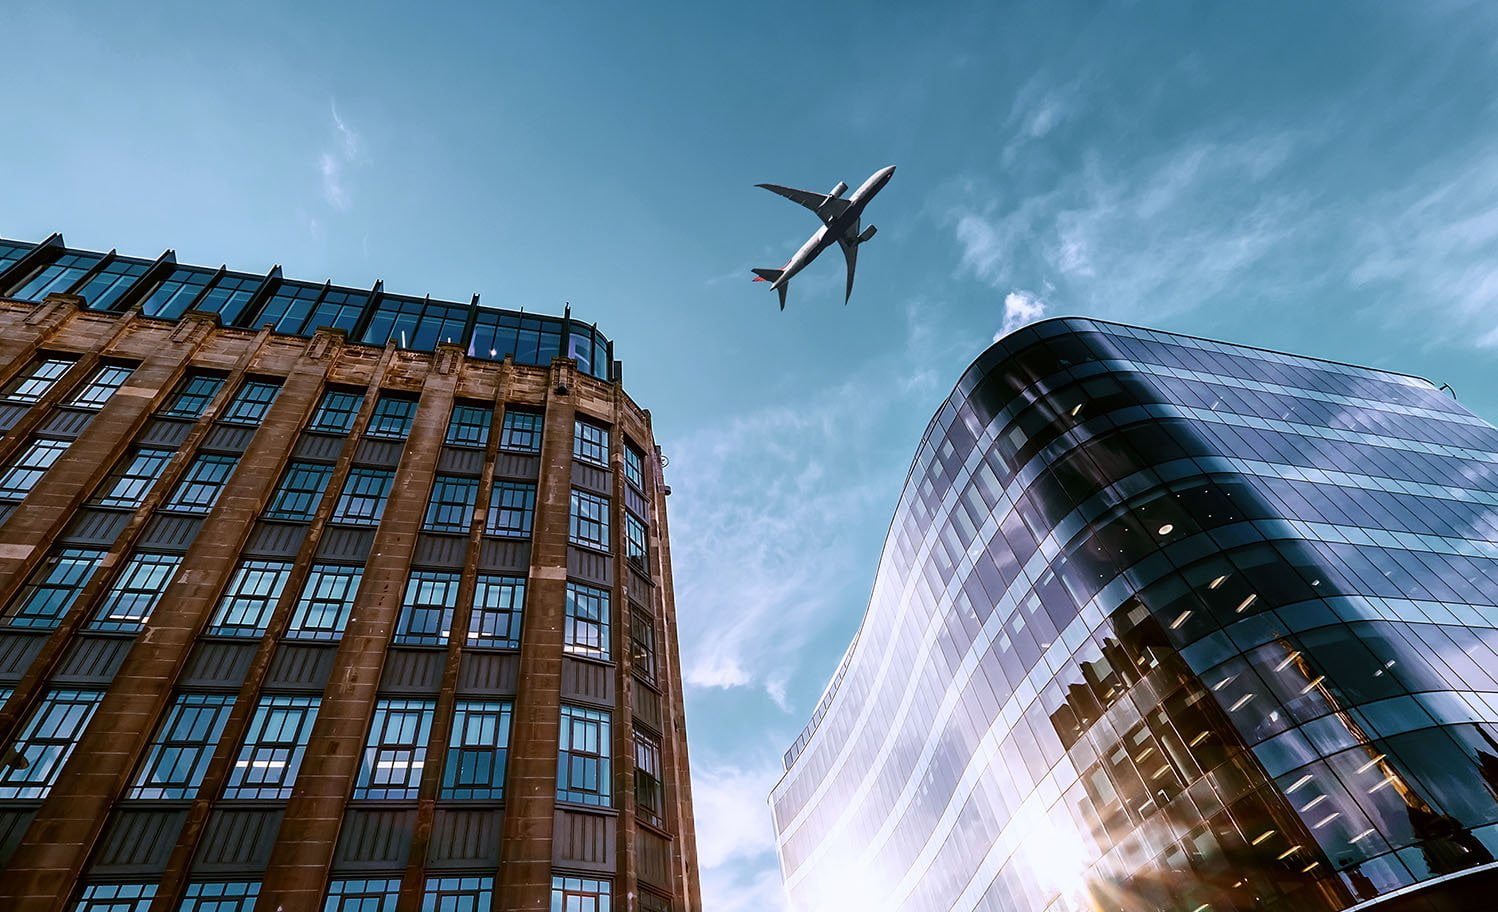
(200, 487)
(53, 588)
(583, 774)
(426, 616)
(475, 766)
(301, 488)
(521, 432)
(28, 467)
(135, 897)
(338, 309)
(469, 426)
(229, 295)
(172, 296)
(46, 741)
(590, 520)
(392, 418)
(590, 443)
(135, 593)
(105, 286)
(337, 411)
(396, 749)
(587, 631)
(466, 893)
(653, 902)
(221, 896)
(642, 644)
(56, 277)
(512, 505)
(245, 608)
(267, 764)
(363, 499)
(101, 386)
(179, 754)
(636, 546)
(650, 789)
(362, 895)
(34, 382)
(192, 396)
(131, 480)
(325, 602)
(451, 506)
(580, 894)
(495, 619)
(251, 402)
(634, 467)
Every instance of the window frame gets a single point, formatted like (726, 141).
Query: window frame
(133, 478)
(451, 504)
(650, 779)
(408, 744)
(141, 582)
(496, 625)
(190, 403)
(101, 386)
(431, 597)
(348, 417)
(22, 607)
(521, 430)
(479, 740)
(189, 732)
(315, 601)
(584, 529)
(252, 401)
(54, 749)
(468, 426)
(591, 761)
(356, 507)
(392, 417)
(293, 488)
(27, 468)
(34, 381)
(197, 491)
(590, 442)
(276, 739)
(587, 629)
(512, 509)
(266, 580)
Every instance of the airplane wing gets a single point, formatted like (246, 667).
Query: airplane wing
(826, 208)
(850, 253)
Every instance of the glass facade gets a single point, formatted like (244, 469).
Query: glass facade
(1165, 623)
(301, 308)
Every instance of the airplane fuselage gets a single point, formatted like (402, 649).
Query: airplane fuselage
(842, 226)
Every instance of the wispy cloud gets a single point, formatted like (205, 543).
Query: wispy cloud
(735, 836)
(1040, 106)
(1020, 308)
(334, 161)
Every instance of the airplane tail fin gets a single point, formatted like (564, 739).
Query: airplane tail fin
(772, 276)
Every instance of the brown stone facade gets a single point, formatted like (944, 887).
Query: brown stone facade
(86, 824)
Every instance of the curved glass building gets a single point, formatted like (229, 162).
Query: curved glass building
(1167, 624)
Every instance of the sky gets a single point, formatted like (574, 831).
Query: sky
(1316, 178)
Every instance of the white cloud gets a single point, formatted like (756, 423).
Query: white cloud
(1020, 308)
(1040, 106)
(333, 162)
(736, 837)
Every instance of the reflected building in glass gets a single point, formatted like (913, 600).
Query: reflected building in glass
(1168, 624)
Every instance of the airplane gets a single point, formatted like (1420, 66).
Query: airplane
(840, 221)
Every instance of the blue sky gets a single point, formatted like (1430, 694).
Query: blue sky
(1319, 178)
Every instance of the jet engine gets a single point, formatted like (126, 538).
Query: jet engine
(838, 191)
(867, 233)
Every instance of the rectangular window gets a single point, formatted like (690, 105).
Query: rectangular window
(469, 426)
(101, 386)
(38, 378)
(46, 741)
(229, 295)
(587, 631)
(362, 895)
(590, 443)
(583, 768)
(326, 600)
(337, 412)
(199, 489)
(512, 506)
(521, 432)
(246, 606)
(301, 488)
(497, 605)
(475, 766)
(634, 467)
(179, 754)
(392, 418)
(133, 897)
(653, 902)
(52, 588)
(173, 294)
(221, 896)
(131, 480)
(650, 788)
(251, 402)
(426, 617)
(192, 396)
(581, 894)
(129, 602)
(590, 520)
(461, 893)
(642, 645)
(636, 544)
(267, 764)
(56, 277)
(396, 749)
(105, 286)
(363, 499)
(451, 506)
(28, 467)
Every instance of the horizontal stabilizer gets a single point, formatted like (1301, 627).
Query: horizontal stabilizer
(768, 275)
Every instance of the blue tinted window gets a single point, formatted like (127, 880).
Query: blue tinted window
(273, 747)
(104, 287)
(297, 496)
(178, 756)
(192, 396)
(27, 467)
(174, 294)
(34, 382)
(129, 602)
(584, 771)
(480, 740)
(392, 417)
(363, 499)
(327, 597)
(497, 606)
(127, 486)
(244, 609)
(229, 296)
(426, 617)
(199, 489)
(396, 749)
(252, 402)
(47, 739)
(337, 412)
(52, 588)
(58, 277)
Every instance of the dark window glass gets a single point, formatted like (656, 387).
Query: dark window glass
(475, 766)
(101, 386)
(636, 547)
(392, 418)
(584, 771)
(57, 277)
(192, 396)
(590, 520)
(650, 788)
(336, 412)
(414, 323)
(363, 499)
(642, 645)
(246, 605)
(178, 756)
(28, 466)
(587, 624)
(581, 894)
(527, 339)
(52, 588)
(12, 252)
(268, 762)
(252, 402)
(512, 504)
(104, 287)
(497, 607)
(323, 608)
(426, 617)
(46, 742)
(34, 382)
(133, 478)
(452, 503)
(395, 752)
(199, 489)
(229, 296)
(174, 294)
(522, 432)
(289, 306)
(458, 893)
(590, 443)
(469, 426)
(129, 602)
(338, 309)
(300, 490)
(634, 467)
